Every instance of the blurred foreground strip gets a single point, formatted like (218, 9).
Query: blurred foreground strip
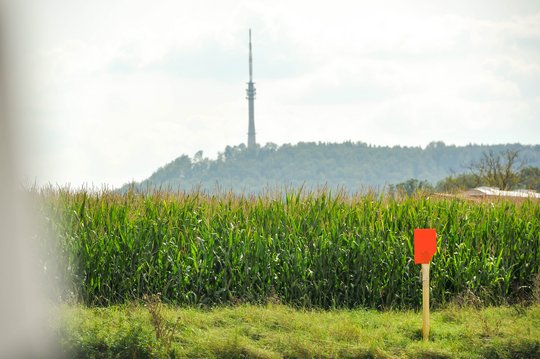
(23, 309)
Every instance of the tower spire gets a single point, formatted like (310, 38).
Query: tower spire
(251, 98)
(250, 59)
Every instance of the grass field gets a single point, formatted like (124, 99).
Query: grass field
(277, 331)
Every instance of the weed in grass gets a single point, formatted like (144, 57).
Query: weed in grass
(490, 329)
(431, 353)
(520, 309)
(451, 315)
(345, 331)
(163, 330)
(239, 347)
(467, 299)
(536, 289)
(510, 348)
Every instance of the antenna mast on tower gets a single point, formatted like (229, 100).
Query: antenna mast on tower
(251, 98)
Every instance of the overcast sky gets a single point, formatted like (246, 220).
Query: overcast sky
(117, 88)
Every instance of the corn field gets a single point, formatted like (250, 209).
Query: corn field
(318, 249)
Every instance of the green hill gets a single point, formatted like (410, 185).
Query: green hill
(351, 166)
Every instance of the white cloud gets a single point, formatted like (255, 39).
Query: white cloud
(122, 87)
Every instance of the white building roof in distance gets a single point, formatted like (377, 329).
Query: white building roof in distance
(492, 191)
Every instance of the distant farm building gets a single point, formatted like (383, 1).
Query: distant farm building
(482, 192)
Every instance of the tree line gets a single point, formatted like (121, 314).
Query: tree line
(505, 170)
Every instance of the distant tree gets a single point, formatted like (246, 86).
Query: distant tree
(529, 178)
(435, 145)
(198, 157)
(457, 183)
(498, 169)
(412, 185)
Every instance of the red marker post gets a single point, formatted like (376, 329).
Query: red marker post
(425, 246)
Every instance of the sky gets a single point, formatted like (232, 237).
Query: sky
(111, 90)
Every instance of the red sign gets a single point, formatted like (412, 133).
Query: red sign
(425, 245)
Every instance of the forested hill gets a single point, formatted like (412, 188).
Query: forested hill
(352, 166)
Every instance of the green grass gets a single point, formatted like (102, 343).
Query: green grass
(317, 250)
(278, 331)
